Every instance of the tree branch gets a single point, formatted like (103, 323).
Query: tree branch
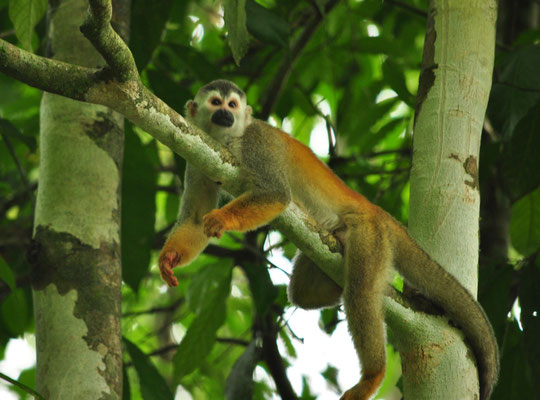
(21, 386)
(171, 307)
(52, 76)
(98, 30)
(282, 75)
(270, 354)
(143, 108)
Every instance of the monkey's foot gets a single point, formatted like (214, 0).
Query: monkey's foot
(167, 261)
(212, 224)
(365, 389)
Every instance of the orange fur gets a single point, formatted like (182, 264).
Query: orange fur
(182, 246)
(366, 388)
(281, 169)
(241, 215)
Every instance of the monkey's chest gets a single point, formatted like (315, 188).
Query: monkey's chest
(234, 145)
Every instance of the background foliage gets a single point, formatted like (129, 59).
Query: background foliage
(340, 70)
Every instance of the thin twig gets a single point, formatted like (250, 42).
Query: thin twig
(520, 88)
(7, 33)
(17, 198)
(253, 250)
(171, 307)
(22, 386)
(174, 346)
(13, 155)
(282, 75)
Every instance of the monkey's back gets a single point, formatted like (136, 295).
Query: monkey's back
(314, 186)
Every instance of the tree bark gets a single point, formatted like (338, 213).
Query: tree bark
(76, 250)
(445, 199)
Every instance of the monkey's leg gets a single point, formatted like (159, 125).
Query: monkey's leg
(187, 238)
(310, 287)
(367, 258)
(184, 243)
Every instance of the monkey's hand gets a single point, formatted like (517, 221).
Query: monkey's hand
(184, 243)
(167, 261)
(214, 224)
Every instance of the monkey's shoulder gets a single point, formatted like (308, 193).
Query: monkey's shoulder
(261, 130)
(264, 149)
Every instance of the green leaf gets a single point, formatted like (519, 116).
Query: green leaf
(289, 250)
(235, 22)
(15, 312)
(530, 304)
(329, 319)
(330, 374)
(239, 384)
(395, 76)
(168, 90)
(306, 391)
(287, 342)
(366, 120)
(520, 167)
(126, 389)
(204, 283)
(153, 385)
(393, 373)
(265, 25)
(379, 45)
(28, 379)
(525, 224)
(210, 315)
(493, 281)
(262, 289)
(147, 28)
(190, 60)
(517, 89)
(10, 130)
(138, 207)
(25, 14)
(6, 274)
(515, 377)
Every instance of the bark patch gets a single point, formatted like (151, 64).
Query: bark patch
(107, 135)
(471, 168)
(95, 274)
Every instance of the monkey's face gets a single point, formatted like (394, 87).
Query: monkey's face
(223, 116)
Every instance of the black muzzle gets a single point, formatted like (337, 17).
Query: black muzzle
(223, 118)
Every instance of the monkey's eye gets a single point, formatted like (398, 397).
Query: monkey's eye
(232, 104)
(215, 101)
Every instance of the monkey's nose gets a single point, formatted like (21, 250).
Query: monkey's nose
(223, 118)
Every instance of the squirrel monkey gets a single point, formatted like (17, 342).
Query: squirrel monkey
(281, 170)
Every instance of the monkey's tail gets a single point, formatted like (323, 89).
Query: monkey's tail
(426, 275)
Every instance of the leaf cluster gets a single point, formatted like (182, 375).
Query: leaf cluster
(340, 76)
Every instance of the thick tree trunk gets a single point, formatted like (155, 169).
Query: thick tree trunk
(77, 274)
(445, 198)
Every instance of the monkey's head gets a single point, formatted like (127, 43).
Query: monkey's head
(220, 109)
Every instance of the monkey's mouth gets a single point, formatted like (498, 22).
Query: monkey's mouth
(223, 118)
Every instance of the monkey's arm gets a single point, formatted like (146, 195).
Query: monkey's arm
(187, 239)
(268, 193)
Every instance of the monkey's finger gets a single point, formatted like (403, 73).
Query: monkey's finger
(167, 262)
(213, 227)
(170, 259)
(168, 277)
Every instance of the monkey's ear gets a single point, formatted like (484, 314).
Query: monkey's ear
(248, 113)
(191, 108)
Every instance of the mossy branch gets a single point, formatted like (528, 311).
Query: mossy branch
(119, 87)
